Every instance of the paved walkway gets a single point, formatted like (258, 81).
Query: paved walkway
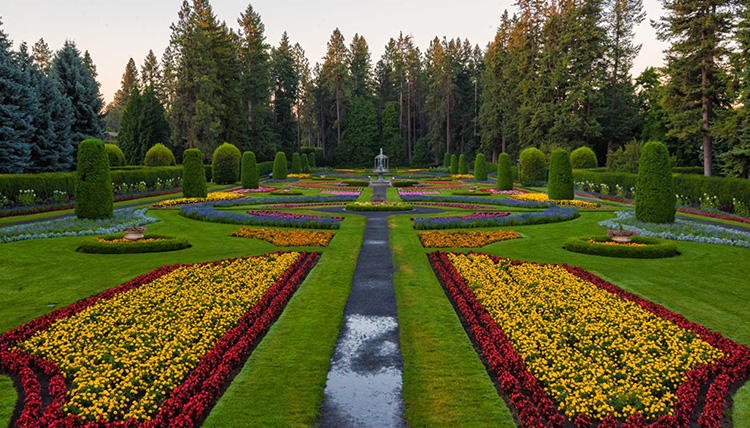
(364, 381)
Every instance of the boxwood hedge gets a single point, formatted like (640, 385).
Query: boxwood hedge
(194, 177)
(250, 177)
(655, 248)
(504, 172)
(226, 164)
(159, 155)
(560, 181)
(654, 191)
(93, 192)
(532, 167)
(167, 243)
(583, 158)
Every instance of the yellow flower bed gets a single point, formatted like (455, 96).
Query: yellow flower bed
(288, 238)
(543, 198)
(124, 355)
(462, 238)
(625, 244)
(460, 176)
(594, 352)
(300, 176)
(212, 197)
(126, 241)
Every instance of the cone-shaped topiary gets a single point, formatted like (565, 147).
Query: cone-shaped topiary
(226, 164)
(447, 160)
(311, 158)
(454, 164)
(159, 155)
(654, 190)
(193, 174)
(116, 156)
(462, 167)
(93, 191)
(532, 168)
(504, 173)
(583, 158)
(305, 163)
(279, 166)
(296, 163)
(250, 177)
(560, 181)
(480, 168)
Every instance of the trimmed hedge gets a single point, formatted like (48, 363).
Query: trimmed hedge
(583, 158)
(356, 183)
(687, 170)
(169, 243)
(480, 168)
(194, 174)
(655, 248)
(250, 177)
(226, 164)
(532, 167)
(462, 167)
(279, 166)
(470, 193)
(116, 156)
(296, 163)
(305, 163)
(403, 183)
(560, 182)
(504, 172)
(386, 206)
(654, 192)
(159, 155)
(93, 192)
(454, 164)
(265, 168)
(447, 160)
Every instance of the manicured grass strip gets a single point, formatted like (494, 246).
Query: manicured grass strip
(445, 383)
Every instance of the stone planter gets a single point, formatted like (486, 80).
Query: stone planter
(133, 236)
(621, 239)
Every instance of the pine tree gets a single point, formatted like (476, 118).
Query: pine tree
(390, 138)
(335, 70)
(151, 75)
(358, 142)
(42, 55)
(127, 84)
(143, 125)
(360, 67)
(305, 99)
(285, 81)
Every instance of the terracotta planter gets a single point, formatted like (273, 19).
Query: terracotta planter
(133, 236)
(621, 239)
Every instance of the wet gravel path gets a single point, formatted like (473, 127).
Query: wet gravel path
(363, 389)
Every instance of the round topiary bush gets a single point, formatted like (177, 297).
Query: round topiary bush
(311, 158)
(250, 177)
(504, 173)
(532, 168)
(93, 191)
(226, 164)
(654, 190)
(296, 163)
(583, 158)
(279, 166)
(159, 155)
(560, 181)
(480, 168)
(193, 174)
(447, 160)
(116, 156)
(454, 164)
(462, 167)
(644, 248)
(305, 163)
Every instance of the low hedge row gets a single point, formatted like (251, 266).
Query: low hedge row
(403, 183)
(470, 193)
(167, 243)
(387, 206)
(655, 248)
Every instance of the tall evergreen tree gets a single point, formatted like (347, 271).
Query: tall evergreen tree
(390, 137)
(358, 143)
(335, 70)
(151, 75)
(360, 67)
(303, 104)
(128, 82)
(143, 125)
(285, 82)
(42, 55)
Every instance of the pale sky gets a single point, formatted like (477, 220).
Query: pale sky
(114, 31)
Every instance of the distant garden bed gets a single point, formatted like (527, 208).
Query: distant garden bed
(117, 244)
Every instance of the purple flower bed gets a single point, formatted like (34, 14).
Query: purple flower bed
(340, 193)
(475, 200)
(475, 216)
(418, 192)
(550, 215)
(292, 215)
(206, 212)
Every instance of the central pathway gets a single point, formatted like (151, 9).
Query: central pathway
(364, 381)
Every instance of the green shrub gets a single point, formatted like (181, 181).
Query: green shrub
(687, 170)
(447, 160)
(403, 183)
(279, 166)
(504, 173)
(193, 174)
(305, 163)
(560, 181)
(454, 164)
(654, 195)
(167, 243)
(480, 168)
(583, 158)
(655, 248)
(311, 158)
(93, 192)
(532, 167)
(159, 155)
(250, 177)
(462, 167)
(116, 156)
(226, 164)
(356, 183)
(296, 163)
(265, 168)
(626, 158)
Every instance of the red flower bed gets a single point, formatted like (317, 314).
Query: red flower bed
(701, 396)
(186, 404)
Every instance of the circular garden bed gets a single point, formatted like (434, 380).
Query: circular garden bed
(384, 206)
(640, 247)
(117, 244)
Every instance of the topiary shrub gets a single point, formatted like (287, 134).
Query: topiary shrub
(560, 181)
(504, 172)
(311, 158)
(480, 168)
(462, 167)
(305, 163)
(161, 243)
(93, 192)
(532, 167)
(654, 191)
(250, 176)
(193, 174)
(651, 248)
(296, 163)
(226, 164)
(447, 160)
(116, 156)
(583, 158)
(454, 164)
(159, 155)
(279, 166)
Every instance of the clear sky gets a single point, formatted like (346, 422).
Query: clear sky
(113, 31)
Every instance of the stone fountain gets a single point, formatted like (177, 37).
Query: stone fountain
(381, 167)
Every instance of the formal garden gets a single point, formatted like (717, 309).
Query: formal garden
(547, 293)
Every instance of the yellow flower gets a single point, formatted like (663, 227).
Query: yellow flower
(466, 239)
(287, 238)
(543, 198)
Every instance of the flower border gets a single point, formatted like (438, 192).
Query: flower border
(532, 403)
(189, 401)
